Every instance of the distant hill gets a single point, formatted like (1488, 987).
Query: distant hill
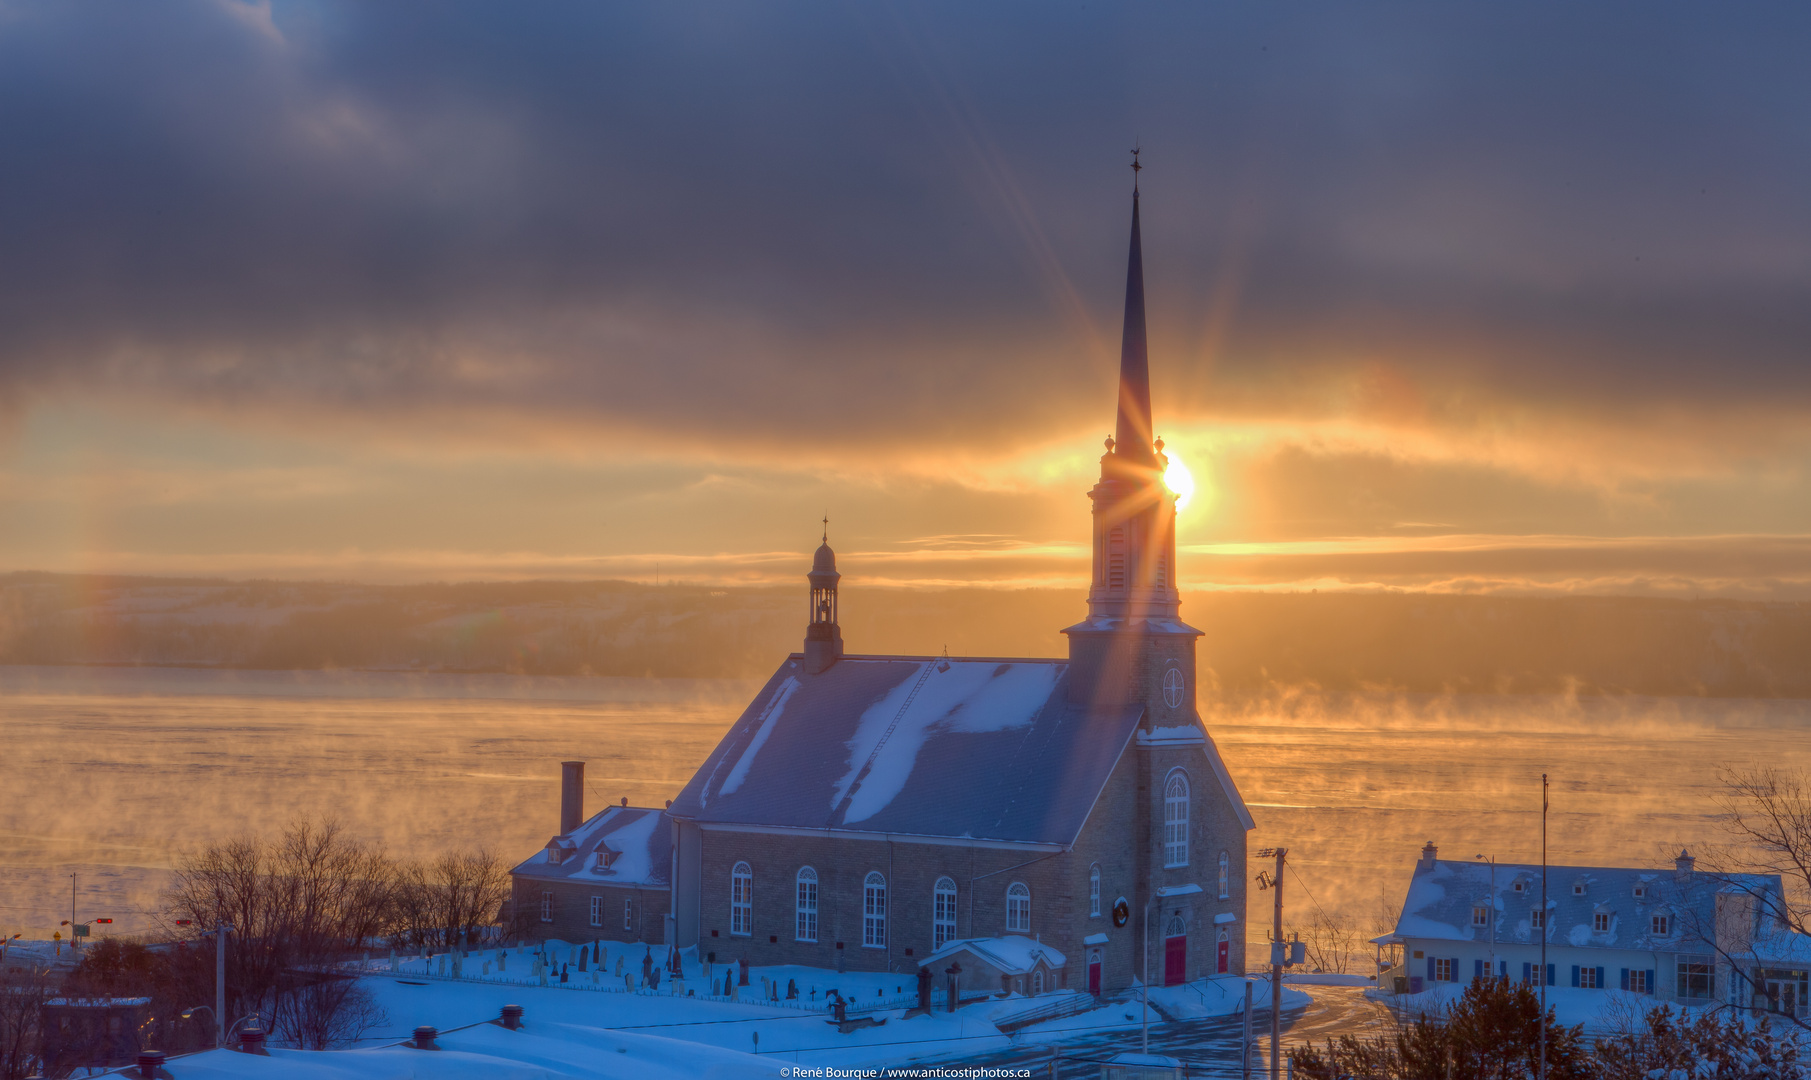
(1253, 641)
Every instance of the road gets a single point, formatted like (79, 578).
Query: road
(1210, 1047)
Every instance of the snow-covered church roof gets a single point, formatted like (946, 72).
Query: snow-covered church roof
(636, 844)
(989, 749)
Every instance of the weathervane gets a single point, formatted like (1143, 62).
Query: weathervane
(1136, 169)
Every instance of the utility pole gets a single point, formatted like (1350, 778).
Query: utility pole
(220, 933)
(72, 942)
(1144, 989)
(1544, 914)
(1277, 959)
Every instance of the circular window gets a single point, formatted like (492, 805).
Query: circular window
(1122, 912)
(1172, 688)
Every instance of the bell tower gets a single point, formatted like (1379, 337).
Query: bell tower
(823, 637)
(1133, 647)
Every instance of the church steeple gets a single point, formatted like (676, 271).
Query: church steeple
(1132, 429)
(1133, 633)
(823, 637)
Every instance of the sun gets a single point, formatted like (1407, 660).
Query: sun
(1180, 481)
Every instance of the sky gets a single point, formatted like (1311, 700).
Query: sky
(1465, 298)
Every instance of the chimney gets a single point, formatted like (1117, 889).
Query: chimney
(572, 796)
(424, 1038)
(1428, 854)
(1682, 866)
(251, 1040)
(512, 1017)
(150, 1063)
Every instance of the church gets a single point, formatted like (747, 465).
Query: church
(1064, 823)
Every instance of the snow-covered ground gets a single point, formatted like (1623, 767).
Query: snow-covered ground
(1328, 978)
(796, 1031)
(544, 1050)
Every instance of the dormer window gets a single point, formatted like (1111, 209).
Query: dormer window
(604, 858)
(1600, 922)
(1660, 924)
(1537, 919)
(1480, 916)
(555, 855)
(1641, 892)
(1521, 886)
(1578, 889)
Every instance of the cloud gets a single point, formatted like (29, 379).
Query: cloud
(891, 226)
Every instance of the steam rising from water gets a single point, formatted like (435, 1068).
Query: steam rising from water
(111, 771)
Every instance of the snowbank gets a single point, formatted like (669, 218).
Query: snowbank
(542, 1051)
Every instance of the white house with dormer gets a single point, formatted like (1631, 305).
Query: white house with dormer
(1682, 935)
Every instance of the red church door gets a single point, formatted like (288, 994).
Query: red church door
(1094, 973)
(1175, 960)
(1223, 955)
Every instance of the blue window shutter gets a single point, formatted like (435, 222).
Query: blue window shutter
(1552, 970)
(1574, 974)
(1600, 979)
(1650, 980)
(1625, 978)
(1455, 969)
(1503, 968)
(1527, 972)
(1430, 969)
(1477, 969)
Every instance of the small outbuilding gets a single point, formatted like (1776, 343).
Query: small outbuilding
(1017, 965)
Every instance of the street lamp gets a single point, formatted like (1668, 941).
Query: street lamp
(189, 1014)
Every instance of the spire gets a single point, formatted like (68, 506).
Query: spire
(1132, 431)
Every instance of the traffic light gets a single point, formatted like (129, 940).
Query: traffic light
(103, 920)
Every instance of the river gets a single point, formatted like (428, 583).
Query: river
(110, 772)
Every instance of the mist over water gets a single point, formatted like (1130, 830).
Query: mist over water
(110, 772)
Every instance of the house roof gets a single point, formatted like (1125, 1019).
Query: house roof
(640, 837)
(988, 749)
(1442, 896)
(1013, 954)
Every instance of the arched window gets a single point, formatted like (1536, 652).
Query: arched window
(874, 912)
(1018, 908)
(943, 913)
(741, 898)
(1094, 891)
(806, 924)
(1175, 820)
(1037, 981)
(1225, 875)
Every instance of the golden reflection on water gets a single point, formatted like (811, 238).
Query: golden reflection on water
(109, 772)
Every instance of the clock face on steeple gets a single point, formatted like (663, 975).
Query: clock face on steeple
(1172, 688)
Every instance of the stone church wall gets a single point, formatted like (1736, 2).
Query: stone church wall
(572, 911)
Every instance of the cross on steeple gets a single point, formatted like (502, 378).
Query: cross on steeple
(1136, 169)
(826, 528)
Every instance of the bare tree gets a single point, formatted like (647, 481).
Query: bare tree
(445, 903)
(22, 994)
(1331, 941)
(1767, 810)
(322, 1010)
(297, 907)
